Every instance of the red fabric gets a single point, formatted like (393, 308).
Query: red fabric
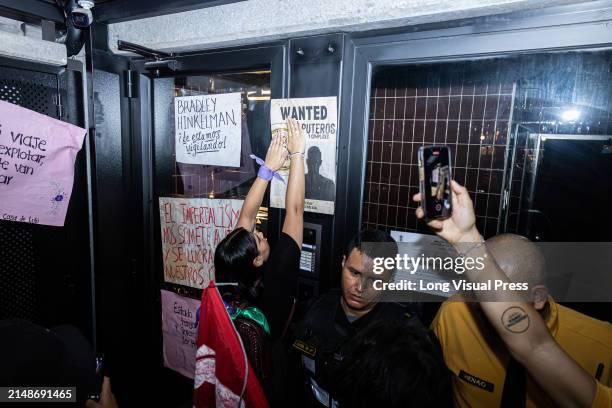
(220, 360)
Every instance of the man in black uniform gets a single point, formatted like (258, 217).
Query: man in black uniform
(323, 338)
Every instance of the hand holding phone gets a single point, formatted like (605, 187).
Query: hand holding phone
(107, 398)
(435, 181)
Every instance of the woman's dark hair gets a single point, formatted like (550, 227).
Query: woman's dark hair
(391, 364)
(234, 258)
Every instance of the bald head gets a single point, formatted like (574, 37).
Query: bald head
(519, 258)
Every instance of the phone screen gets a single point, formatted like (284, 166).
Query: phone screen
(435, 177)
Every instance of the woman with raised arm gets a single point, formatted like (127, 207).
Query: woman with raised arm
(264, 280)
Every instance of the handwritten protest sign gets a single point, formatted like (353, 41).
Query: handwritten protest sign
(191, 228)
(208, 129)
(37, 155)
(319, 119)
(180, 332)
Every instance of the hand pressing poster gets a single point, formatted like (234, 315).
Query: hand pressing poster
(180, 332)
(319, 119)
(191, 228)
(208, 129)
(37, 155)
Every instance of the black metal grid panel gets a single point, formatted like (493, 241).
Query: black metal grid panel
(34, 94)
(17, 272)
(19, 266)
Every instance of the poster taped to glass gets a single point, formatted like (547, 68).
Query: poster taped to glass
(319, 119)
(208, 129)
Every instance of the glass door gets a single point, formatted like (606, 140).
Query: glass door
(256, 76)
(210, 181)
(529, 138)
(464, 105)
(253, 76)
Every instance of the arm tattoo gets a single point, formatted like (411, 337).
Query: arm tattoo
(515, 320)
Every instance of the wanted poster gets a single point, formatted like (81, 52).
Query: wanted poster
(319, 119)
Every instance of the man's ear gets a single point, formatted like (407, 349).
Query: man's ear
(343, 260)
(258, 261)
(539, 294)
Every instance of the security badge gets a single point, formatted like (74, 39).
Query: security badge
(308, 353)
(305, 348)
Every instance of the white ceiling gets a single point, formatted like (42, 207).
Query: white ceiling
(255, 21)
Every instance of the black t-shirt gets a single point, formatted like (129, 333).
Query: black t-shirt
(280, 283)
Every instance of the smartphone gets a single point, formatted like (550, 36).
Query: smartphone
(434, 181)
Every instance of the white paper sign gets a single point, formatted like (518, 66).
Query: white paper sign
(208, 129)
(424, 245)
(319, 119)
(191, 228)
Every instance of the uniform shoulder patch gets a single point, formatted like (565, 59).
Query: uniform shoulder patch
(305, 348)
(478, 382)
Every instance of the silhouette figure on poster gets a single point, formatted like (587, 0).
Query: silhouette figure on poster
(317, 186)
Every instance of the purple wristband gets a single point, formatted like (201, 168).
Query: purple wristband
(265, 173)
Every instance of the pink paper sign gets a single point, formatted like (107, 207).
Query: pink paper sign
(37, 155)
(180, 332)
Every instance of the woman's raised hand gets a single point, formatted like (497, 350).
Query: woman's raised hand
(277, 154)
(297, 139)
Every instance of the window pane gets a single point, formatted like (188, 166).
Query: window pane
(193, 180)
(493, 114)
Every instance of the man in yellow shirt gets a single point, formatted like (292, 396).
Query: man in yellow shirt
(477, 356)
(524, 341)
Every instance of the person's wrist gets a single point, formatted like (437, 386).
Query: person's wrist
(271, 166)
(471, 236)
(296, 151)
(265, 173)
